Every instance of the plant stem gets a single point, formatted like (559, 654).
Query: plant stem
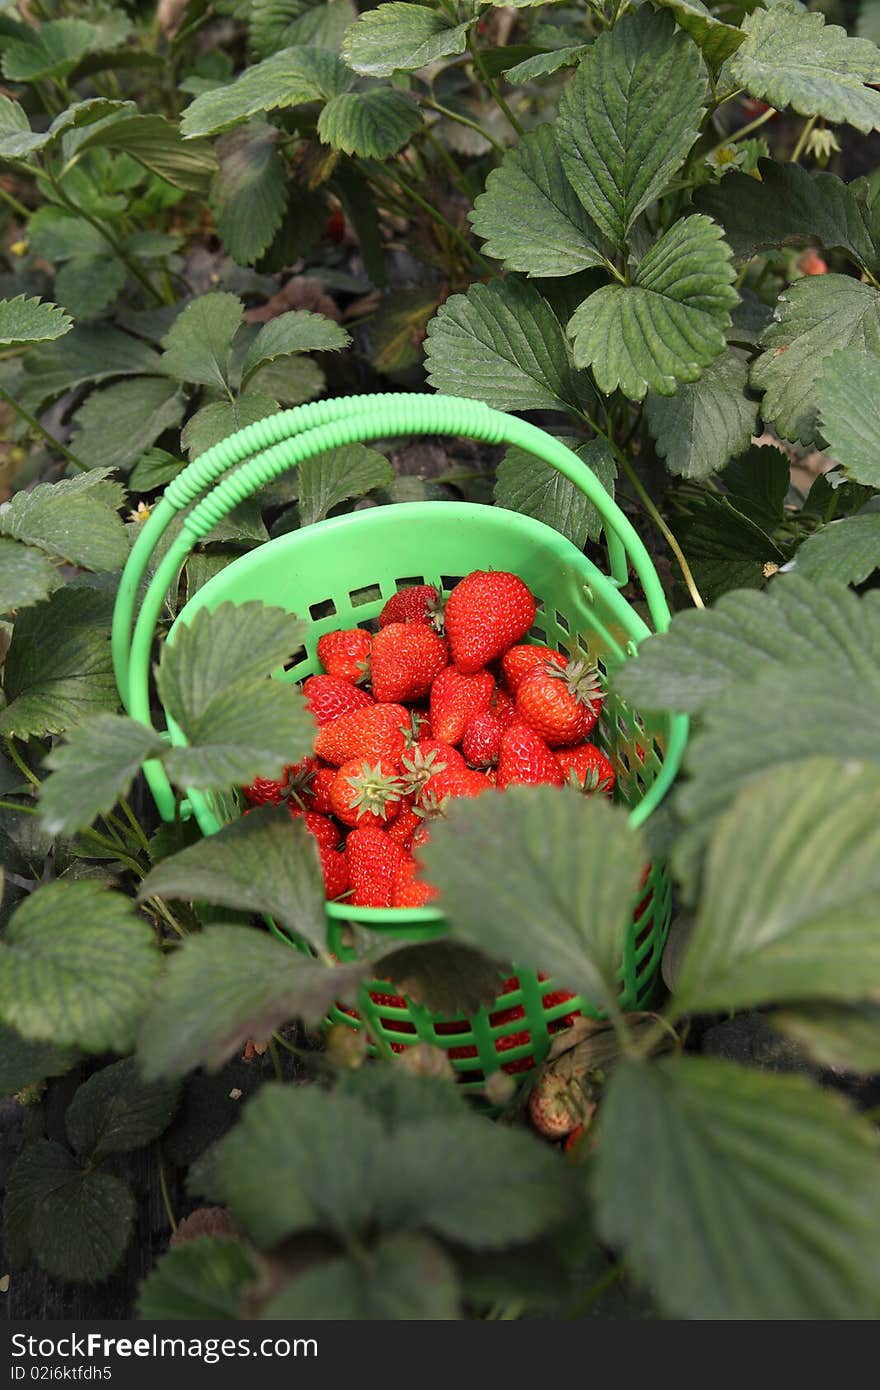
(135, 825)
(440, 220)
(743, 131)
(462, 120)
(802, 139)
(19, 761)
(119, 251)
(16, 806)
(276, 1060)
(492, 86)
(664, 529)
(163, 1186)
(595, 1291)
(14, 203)
(35, 425)
(167, 915)
(455, 173)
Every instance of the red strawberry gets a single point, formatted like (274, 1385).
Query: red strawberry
(263, 791)
(424, 761)
(811, 263)
(334, 867)
(587, 768)
(335, 227)
(375, 732)
(405, 824)
(549, 1001)
(456, 698)
(525, 757)
(346, 653)
(373, 860)
(419, 727)
(516, 662)
(560, 705)
(503, 708)
(329, 697)
(404, 659)
(485, 614)
(415, 605)
(481, 742)
(321, 827)
(409, 890)
(451, 782)
(365, 794)
(317, 791)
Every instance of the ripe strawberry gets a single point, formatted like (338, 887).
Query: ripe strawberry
(560, 705)
(334, 229)
(456, 698)
(405, 824)
(559, 996)
(346, 654)
(263, 791)
(451, 782)
(321, 827)
(329, 697)
(334, 867)
(419, 727)
(481, 742)
(485, 614)
(317, 791)
(415, 605)
(518, 661)
(525, 757)
(424, 761)
(503, 707)
(811, 263)
(374, 732)
(408, 889)
(366, 795)
(586, 768)
(373, 860)
(404, 659)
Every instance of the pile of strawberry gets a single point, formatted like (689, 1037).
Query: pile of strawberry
(445, 716)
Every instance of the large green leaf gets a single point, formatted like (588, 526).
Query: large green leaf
(791, 898)
(249, 192)
(23, 1062)
(716, 39)
(120, 422)
(50, 51)
(630, 116)
(375, 123)
(290, 78)
(24, 320)
(817, 315)
(77, 966)
(88, 277)
(669, 324)
(843, 1036)
(26, 576)
(847, 550)
(296, 331)
(706, 422)
(326, 480)
(399, 37)
(17, 140)
(403, 1277)
(93, 769)
(86, 355)
(765, 1187)
(526, 484)
(199, 342)
(75, 1221)
(788, 205)
(117, 1110)
(848, 393)
(793, 58)
(221, 418)
(58, 671)
(264, 862)
(156, 143)
(203, 1279)
(70, 521)
(229, 984)
(563, 870)
(502, 343)
(530, 216)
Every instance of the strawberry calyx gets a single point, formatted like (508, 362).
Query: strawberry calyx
(581, 680)
(418, 769)
(373, 789)
(589, 783)
(436, 611)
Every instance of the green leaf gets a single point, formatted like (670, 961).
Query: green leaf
(89, 277)
(327, 480)
(203, 1279)
(706, 422)
(296, 331)
(199, 342)
(444, 976)
(24, 320)
(117, 1110)
(16, 138)
(563, 869)
(403, 1277)
(93, 769)
(629, 117)
(156, 143)
(22, 1062)
(154, 470)
(53, 50)
(503, 344)
(77, 966)
(222, 418)
(796, 623)
(848, 393)
(716, 39)
(397, 329)
(86, 355)
(543, 64)
(530, 216)
(843, 1036)
(525, 484)
(669, 324)
(817, 315)
(791, 902)
(374, 124)
(77, 1222)
(26, 576)
(249, 192)
(788, 206)
(67, 520)
(764, 1186)
(399, 37)
(290, 78)
(847, 550)
(792, 58)
(120, 422)
(265, 862)
(58, 671)
(229, 984)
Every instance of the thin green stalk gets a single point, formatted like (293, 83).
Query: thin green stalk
(19, 761)
(35, 425)
(119, 251)
(595, 1291)
(492, 86)
(163, 1186)
(14, 203)
(167, 916)
(655, 516)
(15, 806)
(463, 120)
(276, 1060)
(441, 221)
(802, 139)
(455, 172)
(135, 825)
(743, 131)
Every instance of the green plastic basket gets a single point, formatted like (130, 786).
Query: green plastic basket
(339, 573)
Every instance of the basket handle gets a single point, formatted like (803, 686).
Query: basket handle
(305, 432)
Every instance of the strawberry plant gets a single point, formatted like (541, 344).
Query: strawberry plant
(653, 230)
